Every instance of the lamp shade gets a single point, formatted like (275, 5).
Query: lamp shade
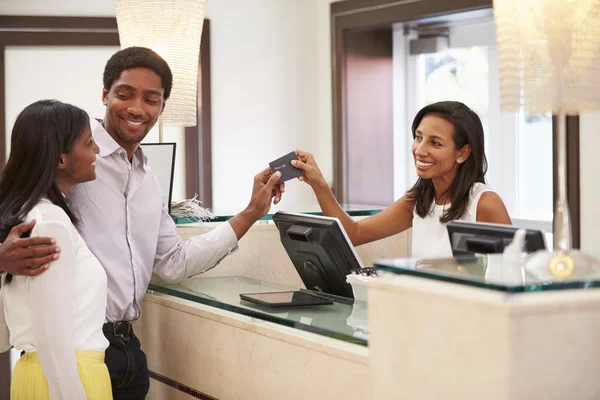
(549, 54)
(173, 29)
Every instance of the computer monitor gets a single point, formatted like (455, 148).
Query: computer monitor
(483, 238)
(161, 159)
(320, 251)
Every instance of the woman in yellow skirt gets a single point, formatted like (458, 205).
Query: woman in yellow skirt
(55, 317)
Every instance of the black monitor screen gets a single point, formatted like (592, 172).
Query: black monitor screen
(475, 237)
(320, 251)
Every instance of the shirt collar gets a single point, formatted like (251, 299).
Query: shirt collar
(139, 153)
(109, 146)
(106, 143)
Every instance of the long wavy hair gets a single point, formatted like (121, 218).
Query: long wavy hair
(42, 132)
(467, 130)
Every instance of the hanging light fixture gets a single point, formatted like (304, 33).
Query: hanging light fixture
(172, 28)
(549, 54)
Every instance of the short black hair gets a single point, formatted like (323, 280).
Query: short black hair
(138, 57)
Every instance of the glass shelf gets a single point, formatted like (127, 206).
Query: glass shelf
(351, 209)
(495, 272)
(346, 319)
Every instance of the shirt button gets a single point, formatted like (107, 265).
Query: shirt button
(229, 250)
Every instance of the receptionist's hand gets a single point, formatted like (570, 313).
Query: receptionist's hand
(312, 173)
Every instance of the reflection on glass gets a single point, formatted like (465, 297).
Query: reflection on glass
(341, 320)
(354, 210)
(359, 319)
(495, 271)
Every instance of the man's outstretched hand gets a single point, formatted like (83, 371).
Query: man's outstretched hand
(264, 191)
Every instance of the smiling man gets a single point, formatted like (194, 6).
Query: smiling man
(134, 97)
(124, 221)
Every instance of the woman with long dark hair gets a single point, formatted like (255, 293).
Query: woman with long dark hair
(56, 317)
(449, 155)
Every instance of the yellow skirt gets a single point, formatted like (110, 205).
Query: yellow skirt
(29, 382)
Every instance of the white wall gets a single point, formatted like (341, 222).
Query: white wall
(270, 93)
(67, 73)
(271, 87)
(66, 8)
(72, 74)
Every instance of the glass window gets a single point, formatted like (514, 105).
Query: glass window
(459, 74)
(535, 167)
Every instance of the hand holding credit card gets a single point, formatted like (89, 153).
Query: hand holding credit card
(284, 165)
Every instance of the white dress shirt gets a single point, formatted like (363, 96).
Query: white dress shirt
(430, 237)
(127, 227)
(60, 310)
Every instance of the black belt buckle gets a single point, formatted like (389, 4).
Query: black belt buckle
(121, 328)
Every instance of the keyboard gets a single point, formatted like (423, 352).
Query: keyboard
(370, 271)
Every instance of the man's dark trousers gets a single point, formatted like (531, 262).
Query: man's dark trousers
(126, 362)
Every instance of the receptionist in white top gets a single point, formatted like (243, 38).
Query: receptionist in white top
(56, 317)
(449, 156)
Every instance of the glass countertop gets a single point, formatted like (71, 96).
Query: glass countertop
(496, 272)
(354, 210)
(346, 319)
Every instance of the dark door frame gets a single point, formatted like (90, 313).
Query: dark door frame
(366, 14)
(101, 31)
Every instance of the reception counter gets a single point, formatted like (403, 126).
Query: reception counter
(201, 338)
(482, 327)
(487, 327)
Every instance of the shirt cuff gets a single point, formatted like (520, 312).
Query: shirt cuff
(226, 235)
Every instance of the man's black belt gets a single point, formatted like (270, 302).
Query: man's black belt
(119, 328)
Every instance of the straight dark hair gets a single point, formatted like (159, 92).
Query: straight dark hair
(467, 130)
(42, 132)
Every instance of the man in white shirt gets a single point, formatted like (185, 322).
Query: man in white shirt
(124, 221)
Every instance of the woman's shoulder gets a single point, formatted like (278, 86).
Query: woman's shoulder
(490, 203)
(478, 192)
(479, 188)
(488, 206)
(482, 194)
(46, 211)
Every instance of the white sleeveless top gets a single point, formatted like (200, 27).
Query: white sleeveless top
(429, 235)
